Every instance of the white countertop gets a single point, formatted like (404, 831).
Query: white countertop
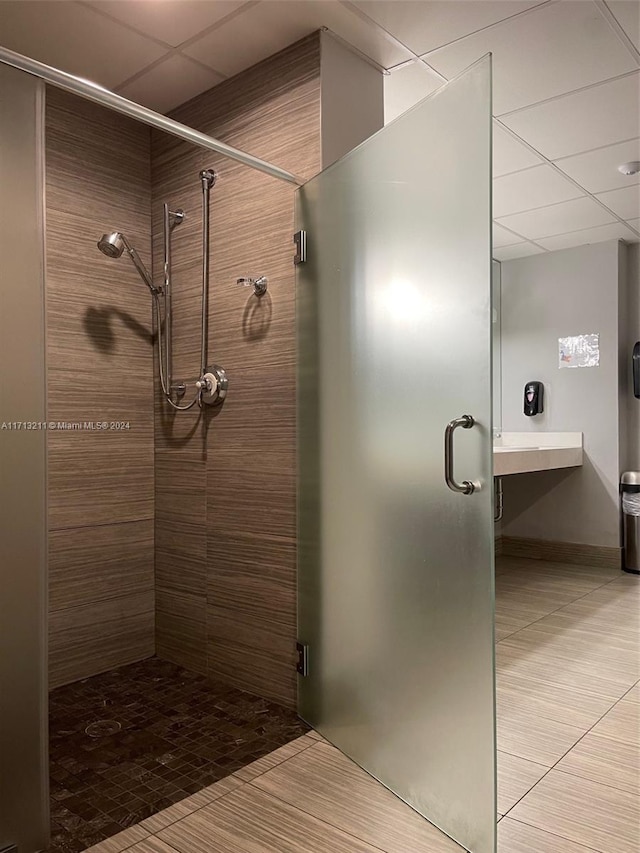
(522, 452)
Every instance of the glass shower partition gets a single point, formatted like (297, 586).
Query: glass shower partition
(24, 818)
(396, 576)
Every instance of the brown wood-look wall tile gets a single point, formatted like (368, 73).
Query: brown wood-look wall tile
(96, 161)
(258, 656)
(272, 110)
(99, 358)
(94, 479)
(180, 486)
(92, 564)
(181, 629)
(258, 414)
(128, 418)
(96, 637)
(250, 491)
(181, 556)
(254, 576)
(181, 541)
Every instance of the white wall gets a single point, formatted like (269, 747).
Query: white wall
(545, 297)
(352, 99)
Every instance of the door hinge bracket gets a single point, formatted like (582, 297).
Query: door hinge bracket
(300, 240)
(302, 665)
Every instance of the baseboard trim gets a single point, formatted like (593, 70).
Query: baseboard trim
(562, 552)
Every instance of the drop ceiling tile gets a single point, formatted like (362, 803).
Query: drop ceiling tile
(426, 26)
(625, 202)
(582, 121)
(502, 237)
(535, 187)
(545, 52)
(406, 86)
(616, 231)
(519, 250)
(170, 83)
(76, 39)
(558, 218)
(171, 21)
(268, 27)
(597, 171)
(509, 155)
(627, 13)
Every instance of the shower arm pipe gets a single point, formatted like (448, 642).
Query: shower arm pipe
(99, 95)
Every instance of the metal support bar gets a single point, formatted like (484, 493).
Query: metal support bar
(99, 95)
(207, 180)
(170, 219)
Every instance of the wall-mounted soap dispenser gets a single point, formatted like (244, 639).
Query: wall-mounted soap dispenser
(533, 398)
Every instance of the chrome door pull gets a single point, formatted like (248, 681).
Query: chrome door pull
(466, 487)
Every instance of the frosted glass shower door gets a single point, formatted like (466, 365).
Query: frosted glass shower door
(395, 568)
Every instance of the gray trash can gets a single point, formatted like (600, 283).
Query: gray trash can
(630, 505)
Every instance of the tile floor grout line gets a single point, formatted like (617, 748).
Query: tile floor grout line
(555, 835)
(326, 822)
(594, 781)
(557, 609)
(580, 739)
(611, 707)
(241, 784)
(277, 764)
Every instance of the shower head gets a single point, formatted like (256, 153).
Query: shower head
(113, 245)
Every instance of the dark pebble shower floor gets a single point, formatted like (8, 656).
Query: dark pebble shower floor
(175, 733)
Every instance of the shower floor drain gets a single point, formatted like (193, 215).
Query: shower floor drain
(101, 728)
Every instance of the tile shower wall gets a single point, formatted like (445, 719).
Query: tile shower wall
(99, 354)
(225, 478)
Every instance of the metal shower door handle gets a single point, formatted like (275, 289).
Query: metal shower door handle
(466, 487)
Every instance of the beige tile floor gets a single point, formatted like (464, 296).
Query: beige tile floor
(568, 740)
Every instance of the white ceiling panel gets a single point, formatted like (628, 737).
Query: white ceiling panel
(171, 21)
(597, 171)
(266, 28)
(518, 250)
(582, 121)
(172, 82)
(627, 13)
(509, 155)
(502, 237)
(616, 231)
(535, 187)
(558, 218)
(427, 25)
(76, 39)
(406, 86)
(625, 202)
(546, 52)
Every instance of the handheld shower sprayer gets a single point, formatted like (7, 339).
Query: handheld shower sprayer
(211, 387)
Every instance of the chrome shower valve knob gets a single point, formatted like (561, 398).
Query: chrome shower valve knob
(212, 385)
(208, 384)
